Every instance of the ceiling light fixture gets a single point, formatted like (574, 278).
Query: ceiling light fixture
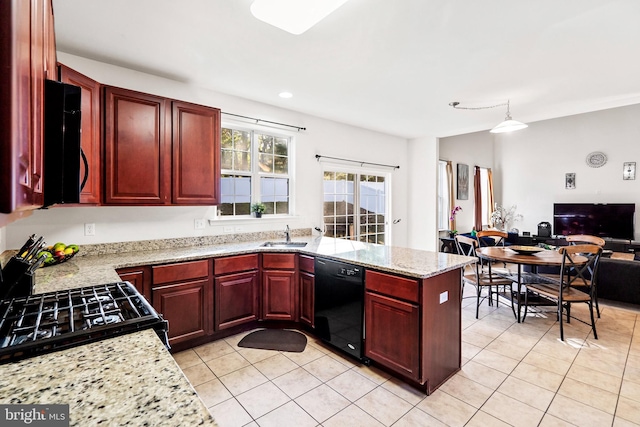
(508, 125)
(285, 95)
(294, 16)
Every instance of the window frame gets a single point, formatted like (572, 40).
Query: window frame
(485, 198)
(358, 172)
(255, 174)
(443, 195)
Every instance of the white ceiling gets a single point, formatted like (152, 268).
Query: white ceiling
(388, 65)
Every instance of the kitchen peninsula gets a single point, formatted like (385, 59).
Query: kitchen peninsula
(132, 379)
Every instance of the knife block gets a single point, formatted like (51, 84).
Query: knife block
(24, 287)
(15, 279)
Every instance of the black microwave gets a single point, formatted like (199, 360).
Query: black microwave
(61, 144)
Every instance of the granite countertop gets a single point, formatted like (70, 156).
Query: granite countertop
(99, 269)
(132, 379)
(128, 380)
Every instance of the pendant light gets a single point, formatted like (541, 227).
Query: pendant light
(508, 125)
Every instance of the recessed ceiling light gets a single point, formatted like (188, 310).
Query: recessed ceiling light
(294, 16)
(285, 95)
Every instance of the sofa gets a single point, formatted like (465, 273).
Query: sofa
(619, 280)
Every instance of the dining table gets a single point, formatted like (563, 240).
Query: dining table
(526, 255)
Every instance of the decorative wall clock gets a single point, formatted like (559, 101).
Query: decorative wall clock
(596, 159)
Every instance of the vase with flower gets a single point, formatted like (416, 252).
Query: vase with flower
(452, 220)
(502, 218)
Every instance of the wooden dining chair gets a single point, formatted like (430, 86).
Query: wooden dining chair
(474, 275)
(499, 238)
(565, 291)
(576, 239)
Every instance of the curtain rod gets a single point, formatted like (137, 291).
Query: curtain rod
(265, 121)
(318, 157)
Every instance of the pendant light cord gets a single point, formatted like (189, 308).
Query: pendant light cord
(456, 105)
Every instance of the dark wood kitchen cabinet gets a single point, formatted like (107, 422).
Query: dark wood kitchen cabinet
(137, 148)
(279, 286)
(391, 323)
(159, 151)
(140, 277)
(90, 141)
(196, 154)
(237, 291)
(306, 279)
(183, 294)
(413, 326)
(27, 53)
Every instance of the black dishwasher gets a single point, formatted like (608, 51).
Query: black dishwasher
(339, 305)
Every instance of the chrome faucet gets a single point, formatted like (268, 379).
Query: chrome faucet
(287, 234)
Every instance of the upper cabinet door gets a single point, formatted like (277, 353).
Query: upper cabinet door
(137, 153)
(196, 154)
(25, 46)
(38, 74)
(90, 137)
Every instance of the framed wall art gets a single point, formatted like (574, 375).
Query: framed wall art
(570, 181)
(463, 181)
(629, 170)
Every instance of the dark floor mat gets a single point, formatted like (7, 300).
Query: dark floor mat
(275, 339)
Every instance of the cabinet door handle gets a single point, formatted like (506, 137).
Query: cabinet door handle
(86, 168)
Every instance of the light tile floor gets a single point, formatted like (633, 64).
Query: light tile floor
(512, 375)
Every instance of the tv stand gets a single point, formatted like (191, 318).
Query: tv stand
(611, 244)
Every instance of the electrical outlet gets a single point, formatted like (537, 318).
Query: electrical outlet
(198, 224)
(227, 229)
(90, 229)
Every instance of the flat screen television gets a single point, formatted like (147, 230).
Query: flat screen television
(614, 220)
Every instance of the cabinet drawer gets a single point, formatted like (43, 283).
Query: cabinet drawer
(398, 287)
(275, 261)
(306, 263)
(235, 264)
(181, 271)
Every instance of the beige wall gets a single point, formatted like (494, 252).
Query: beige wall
(473, 149)
(533, 162)
(529, 165)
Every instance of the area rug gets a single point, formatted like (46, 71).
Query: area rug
(275, 339)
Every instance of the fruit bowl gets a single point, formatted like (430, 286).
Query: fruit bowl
(526, 250)
(58, 254)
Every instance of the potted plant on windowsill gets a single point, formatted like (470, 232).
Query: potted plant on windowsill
(258, 209)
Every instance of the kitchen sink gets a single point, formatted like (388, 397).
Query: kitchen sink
(284, 244)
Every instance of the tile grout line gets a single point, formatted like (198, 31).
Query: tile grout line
(573, 362)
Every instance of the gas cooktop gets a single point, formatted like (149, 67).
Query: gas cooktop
(43, 323)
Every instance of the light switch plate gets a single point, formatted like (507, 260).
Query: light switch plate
(444, 297)
(90, 229)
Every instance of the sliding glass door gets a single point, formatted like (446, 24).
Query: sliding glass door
(355, 206)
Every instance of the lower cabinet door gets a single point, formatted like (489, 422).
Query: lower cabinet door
(139, 277)
(279, 295)
(187, 308)
(236, 299)
(307, 289)
(392, 334)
